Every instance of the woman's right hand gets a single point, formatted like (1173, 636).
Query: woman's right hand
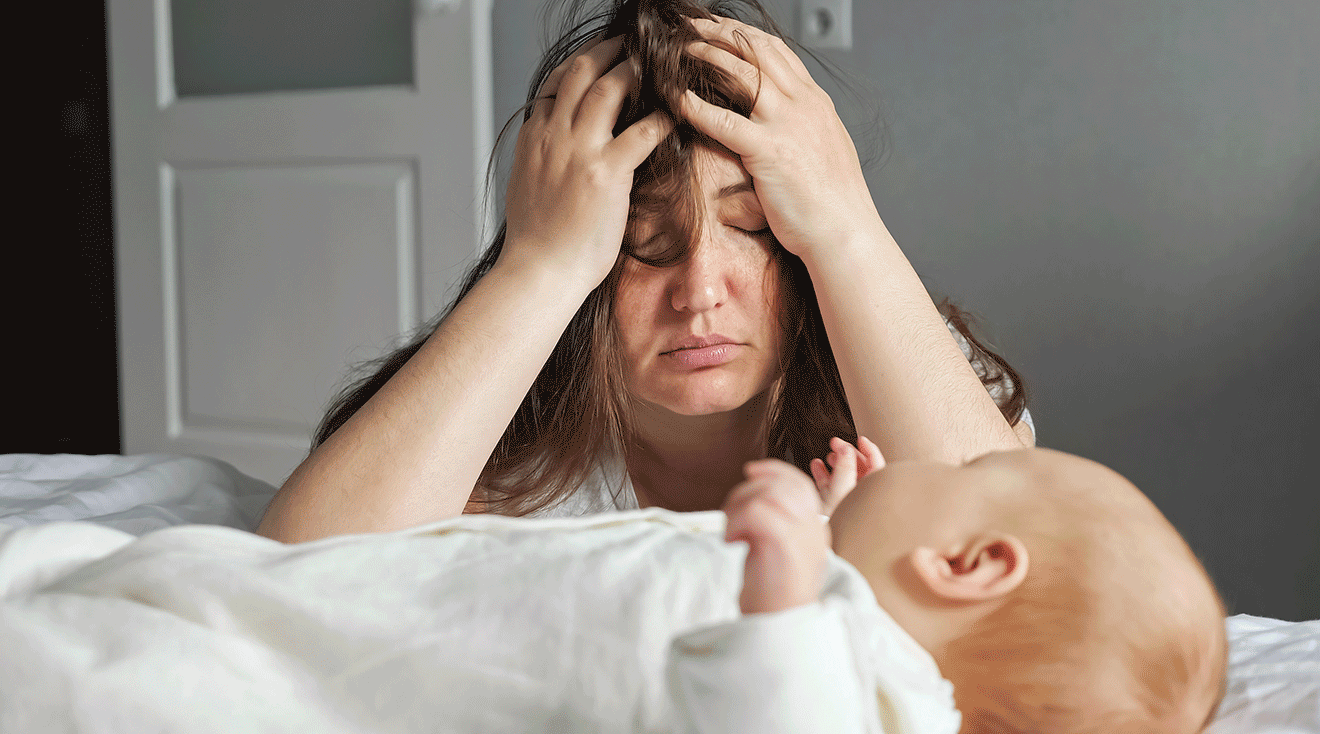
(568, 197)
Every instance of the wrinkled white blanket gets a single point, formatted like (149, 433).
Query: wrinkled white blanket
(616, 623)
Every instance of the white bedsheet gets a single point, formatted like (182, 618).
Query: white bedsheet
(1274, 674)
(1273, 678)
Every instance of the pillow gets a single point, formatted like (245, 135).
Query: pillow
(136, 494)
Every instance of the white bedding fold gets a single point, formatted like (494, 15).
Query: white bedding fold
(136, 494)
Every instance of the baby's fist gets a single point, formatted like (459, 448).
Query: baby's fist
(776, 511)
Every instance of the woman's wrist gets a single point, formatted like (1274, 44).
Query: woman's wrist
(541, 275)
(863, 251)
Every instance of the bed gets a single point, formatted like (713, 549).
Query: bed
(61, 514)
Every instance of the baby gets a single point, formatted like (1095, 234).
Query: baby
(1049, 590)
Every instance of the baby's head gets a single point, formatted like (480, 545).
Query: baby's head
(1051, 592)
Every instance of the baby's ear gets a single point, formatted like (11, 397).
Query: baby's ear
(981, 568)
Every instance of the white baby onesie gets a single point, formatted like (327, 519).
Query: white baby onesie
(790, 672)
(838, 666)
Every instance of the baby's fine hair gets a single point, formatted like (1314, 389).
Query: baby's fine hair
(1069, 653)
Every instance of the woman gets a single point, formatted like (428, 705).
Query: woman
(691, 275)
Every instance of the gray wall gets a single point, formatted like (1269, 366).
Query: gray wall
(1127, 192)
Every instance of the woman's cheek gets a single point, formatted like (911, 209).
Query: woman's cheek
(634, 317)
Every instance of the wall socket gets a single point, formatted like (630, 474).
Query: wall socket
(825, 23)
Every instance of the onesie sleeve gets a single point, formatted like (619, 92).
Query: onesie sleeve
(791, 672)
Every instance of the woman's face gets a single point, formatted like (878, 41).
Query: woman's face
(725, 296)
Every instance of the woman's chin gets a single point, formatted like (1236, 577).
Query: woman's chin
(704, 392)
(693, 409)
(695, 402)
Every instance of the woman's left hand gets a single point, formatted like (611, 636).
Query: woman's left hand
(801, 159)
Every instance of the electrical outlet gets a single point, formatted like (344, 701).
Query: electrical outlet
(825, 23)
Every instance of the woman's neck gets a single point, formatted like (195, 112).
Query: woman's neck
(689, 463)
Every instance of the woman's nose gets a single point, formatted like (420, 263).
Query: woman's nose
(701, 280)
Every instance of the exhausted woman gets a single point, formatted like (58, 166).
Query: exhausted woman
(691, 275)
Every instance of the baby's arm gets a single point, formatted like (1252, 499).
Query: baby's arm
(786, 666)
(778, 510)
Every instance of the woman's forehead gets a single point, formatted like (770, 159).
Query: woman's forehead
(713, 178)
(719, 174)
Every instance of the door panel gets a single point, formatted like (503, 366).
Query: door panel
(266, 241)
(258, 248)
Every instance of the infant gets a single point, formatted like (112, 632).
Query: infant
(1052, 594)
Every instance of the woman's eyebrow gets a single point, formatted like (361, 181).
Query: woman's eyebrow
(644, 204)
(737, 188)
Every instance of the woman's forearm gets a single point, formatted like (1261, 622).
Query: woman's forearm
(909, 386)
(412, 454)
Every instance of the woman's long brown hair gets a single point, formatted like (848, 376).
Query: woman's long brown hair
(577, 412)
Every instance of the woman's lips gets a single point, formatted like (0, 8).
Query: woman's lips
(696, 358)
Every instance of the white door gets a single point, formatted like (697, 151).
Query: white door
(264, 241)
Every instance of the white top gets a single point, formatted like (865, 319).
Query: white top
(598, 494)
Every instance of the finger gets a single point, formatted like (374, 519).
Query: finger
(552, 80)
(737, 506)
(749, 74)
(765, 511)
(735, 522)
(544, 101)
(751, 522)
(821, 475)
(874, 459)
(739, 36)
(844, 477)
(863, 462)
(768, 468)
(633, 145)
(741, 494)
(730, 129)
(767, 50)
(576, 75)
(603, 101)
(837, 444)
(785, 486)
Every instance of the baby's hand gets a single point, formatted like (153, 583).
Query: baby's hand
(777, 512)
(849, 464)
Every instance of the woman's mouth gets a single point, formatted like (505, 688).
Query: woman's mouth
(698, 357)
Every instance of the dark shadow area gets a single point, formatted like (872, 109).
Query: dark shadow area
(63, 382)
